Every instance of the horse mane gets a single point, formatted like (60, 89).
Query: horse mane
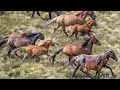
(78, 13)
(31, 34)
(85, 43)
(44, 42)
(89, 22)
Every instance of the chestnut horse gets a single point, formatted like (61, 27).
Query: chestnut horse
(33, 50)
(70, 20)
(85, 28)
(93, 62)
(16, 41)
(73, 50)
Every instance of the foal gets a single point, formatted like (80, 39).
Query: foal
(33, 50)
(93, 62)
(85, 28)
(70, 20)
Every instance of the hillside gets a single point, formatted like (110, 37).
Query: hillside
(108, 32)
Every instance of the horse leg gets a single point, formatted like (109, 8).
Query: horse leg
(33, 14)
(57, 13)
(38, 13)
(48, 57)
(64, 31)
(9, 52)
(73, 32)
(110, 70)
(76, 35)
(75, 70)
(56, 28)
(98, 75)
(49, 15)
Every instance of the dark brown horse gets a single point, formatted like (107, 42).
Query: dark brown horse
(93, 62)
(16, 41)
(70, 20)
(49, 12)
(73, 50)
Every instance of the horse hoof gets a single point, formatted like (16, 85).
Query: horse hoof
(113, 76)
(73, 77)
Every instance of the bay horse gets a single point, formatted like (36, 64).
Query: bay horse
(85, 28)
(49, 12)
(73, 50)
(16, 41)
(70, 20)
(93, 62)
(33, 50)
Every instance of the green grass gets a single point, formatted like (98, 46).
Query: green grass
(21, 22)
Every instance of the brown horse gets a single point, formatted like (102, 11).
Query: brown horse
(93, 62)
(70, 20)
(85, 28)
(33, 50)
(73, 50)
(16, 41)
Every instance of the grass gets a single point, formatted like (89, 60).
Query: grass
(21, 22)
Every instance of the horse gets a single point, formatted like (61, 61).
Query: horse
(73, 50)
(93, 62)
(33, 50)
(70, 20)
(16, 41)
(85, 28)
(49, 12)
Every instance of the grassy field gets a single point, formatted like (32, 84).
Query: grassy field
(108, 32)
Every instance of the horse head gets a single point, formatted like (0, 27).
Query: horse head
(91, 14)
(113, 55)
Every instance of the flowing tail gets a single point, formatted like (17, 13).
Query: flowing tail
(20, 49)
(3, 41)
(53, 20)
(53, 56)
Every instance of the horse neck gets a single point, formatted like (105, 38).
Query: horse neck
(46, 45)
(106, 56)
(34, 39)
(90, 45)
(82, 16)
(89, 25)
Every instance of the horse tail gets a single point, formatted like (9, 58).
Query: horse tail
(3, 41)
(53, 20)
(55, 54)
(20, 48)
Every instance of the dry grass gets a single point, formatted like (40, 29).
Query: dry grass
(108, 32)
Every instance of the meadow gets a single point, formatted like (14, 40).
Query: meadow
(108, 33)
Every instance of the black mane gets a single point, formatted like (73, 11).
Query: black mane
(85, 43)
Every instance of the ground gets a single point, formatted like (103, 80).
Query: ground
(108, 32)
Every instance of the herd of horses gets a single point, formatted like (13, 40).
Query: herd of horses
(79, 55)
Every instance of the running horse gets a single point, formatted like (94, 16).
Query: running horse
(70, 20)
(93, 62)
(73, 50)
(49, 12)
(16, 41)
(85, 28)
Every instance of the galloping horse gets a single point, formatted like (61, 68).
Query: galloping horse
(73, 50)
(16, 41)
(33, 50)
(93, 62)
(70, 20)
(49, 12)
(85, 28)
